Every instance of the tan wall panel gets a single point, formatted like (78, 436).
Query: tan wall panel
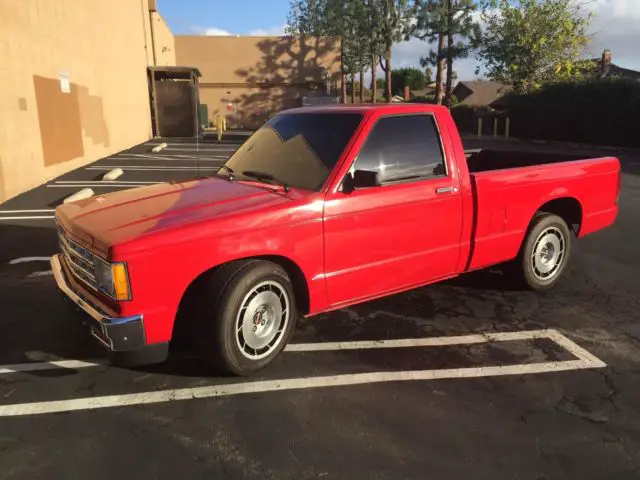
(164, 41)
(105, 48)
(254, 59)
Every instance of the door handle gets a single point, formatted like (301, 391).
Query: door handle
(441, 190)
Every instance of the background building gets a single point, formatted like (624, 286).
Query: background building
(77, 81)
(248, 78)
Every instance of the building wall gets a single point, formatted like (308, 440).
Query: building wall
(104, 47)
(164, 43)
(247, 78)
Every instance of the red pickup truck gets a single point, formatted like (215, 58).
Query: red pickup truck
(321, 208)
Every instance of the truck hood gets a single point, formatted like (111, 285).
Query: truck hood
(106, 220)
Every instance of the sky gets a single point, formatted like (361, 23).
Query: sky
(615, 25)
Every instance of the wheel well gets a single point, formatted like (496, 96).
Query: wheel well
(569, 209)
(298, 280)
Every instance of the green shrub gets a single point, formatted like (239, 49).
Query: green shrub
(589, 111)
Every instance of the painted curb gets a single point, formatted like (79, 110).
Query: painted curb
(113, 174)
(160, 147)
(79, 195)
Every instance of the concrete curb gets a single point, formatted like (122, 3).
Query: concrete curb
(79, 195)
(113, 174)
(159, 148)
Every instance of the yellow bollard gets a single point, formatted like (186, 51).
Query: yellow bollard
(506, 128)
(480, 127)
(219, 126)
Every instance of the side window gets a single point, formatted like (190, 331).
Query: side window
(402, 147)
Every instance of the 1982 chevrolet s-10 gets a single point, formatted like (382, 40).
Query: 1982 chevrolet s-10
(321, 208)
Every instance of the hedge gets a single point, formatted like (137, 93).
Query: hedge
(592, 111)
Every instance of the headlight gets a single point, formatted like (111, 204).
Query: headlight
(112, 279)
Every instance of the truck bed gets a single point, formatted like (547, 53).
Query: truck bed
(488, 160)
(509, 187)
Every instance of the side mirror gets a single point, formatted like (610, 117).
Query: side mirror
(366, 178)
(360, 179)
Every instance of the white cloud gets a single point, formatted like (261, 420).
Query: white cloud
(258, 32)
(212, 31)
(216, 32)
(267, 32)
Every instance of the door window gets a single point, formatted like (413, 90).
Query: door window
(401, 148)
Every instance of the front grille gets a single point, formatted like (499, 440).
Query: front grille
(79, 259)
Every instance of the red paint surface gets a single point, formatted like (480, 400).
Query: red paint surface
(349, 246)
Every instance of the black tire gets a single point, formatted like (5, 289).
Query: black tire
(219, 311)
(523, 270)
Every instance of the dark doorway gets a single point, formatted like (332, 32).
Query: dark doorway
(174, 101)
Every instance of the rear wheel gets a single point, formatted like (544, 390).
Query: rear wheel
(544, 255)
(246, 315)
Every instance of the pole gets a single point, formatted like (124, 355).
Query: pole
(506, 128)
(480, 127)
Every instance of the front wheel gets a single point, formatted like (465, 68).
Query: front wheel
(544, 255)
(246, 316)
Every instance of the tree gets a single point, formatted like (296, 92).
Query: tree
(375, 42)
(451, 24)
(428, 75)
(460, 26)
(528, 43)
(395, 24)
(430, 26)
(307, 17)
(407, 77)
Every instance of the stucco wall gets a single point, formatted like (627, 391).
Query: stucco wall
(164, 41)
(246, 78)
(105, 49)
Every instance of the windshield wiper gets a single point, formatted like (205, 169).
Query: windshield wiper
(228, 169)
(265, 177)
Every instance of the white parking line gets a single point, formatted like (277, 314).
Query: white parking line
(53, 365)
(151, 168)
(424, 342)
(15, 261)
(102, 182)
(39, 217)
(95, 185)
(167, 159)
(585, 360)
(28, 211)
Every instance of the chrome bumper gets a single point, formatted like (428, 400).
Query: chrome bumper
(115, 333)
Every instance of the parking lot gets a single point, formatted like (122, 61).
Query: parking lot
(464, 379)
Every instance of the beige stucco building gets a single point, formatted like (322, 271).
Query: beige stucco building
(247, 78)
(76, 88)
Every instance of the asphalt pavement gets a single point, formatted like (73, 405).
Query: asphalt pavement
(464, 379)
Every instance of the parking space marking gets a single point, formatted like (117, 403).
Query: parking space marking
(28, 211)
(53, 365)
(430, 342)
(15, 261)
(143, 168)
(39, 217)
(101, 182)
(585, 360)
(167, 159)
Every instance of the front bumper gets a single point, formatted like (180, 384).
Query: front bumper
(123, 337)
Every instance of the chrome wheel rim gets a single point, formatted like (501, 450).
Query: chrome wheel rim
(548, 253)
(262, 320)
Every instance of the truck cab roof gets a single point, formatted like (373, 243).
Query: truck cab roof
(368, 108)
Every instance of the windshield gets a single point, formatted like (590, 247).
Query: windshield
(298, 150)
